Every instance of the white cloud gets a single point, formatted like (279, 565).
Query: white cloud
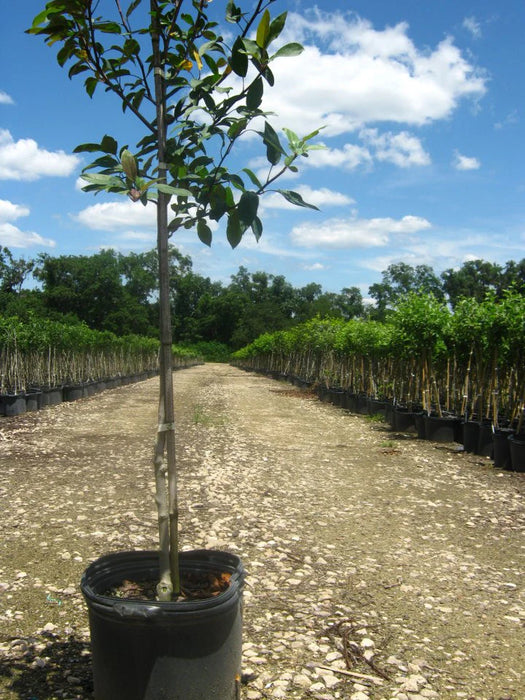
(13, 237)
(25, 160)
(5, 99)
(349, 157)
(318, 197)
(442, 250)
(462, 162)
(359, 76)
(10, 211)
(472, 25)
(117, 216)
(355, 232)
(314, 267)
(130, 223)
(402, 149)
(509, 120)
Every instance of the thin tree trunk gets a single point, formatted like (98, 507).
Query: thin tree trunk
(166, 428)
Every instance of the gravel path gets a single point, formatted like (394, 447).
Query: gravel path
(379, 566)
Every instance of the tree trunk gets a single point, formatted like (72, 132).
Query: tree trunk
(168, 527)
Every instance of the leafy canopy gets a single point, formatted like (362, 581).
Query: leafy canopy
(172, 57)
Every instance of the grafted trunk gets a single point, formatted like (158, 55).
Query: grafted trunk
(165, 470)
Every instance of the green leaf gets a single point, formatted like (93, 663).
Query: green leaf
(292, 49)
(236, 181)
(108, 27)
(218, 203)
(234, 229)
(239, 59)
(133, 6)
(236, 128)
(276, 27)
(251, 47)
(76, 69)
(248, 206)
(105, 182)
(292, 137)
(295, 198)
(274, 150)
(90, 84)
(253, 177)
(204, 232)
(257, 228)
(263, 30)
(233, 13)
(264, 71)
(255, 94)
(109, 145)
(168, 189)
(87, 148)
(174, 223)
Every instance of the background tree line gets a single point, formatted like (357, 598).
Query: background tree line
(118, 292)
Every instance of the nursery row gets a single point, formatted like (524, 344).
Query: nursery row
(505, 446)
(43, 362)
(469, 363)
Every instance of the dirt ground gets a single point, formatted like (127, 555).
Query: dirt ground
(378, 566)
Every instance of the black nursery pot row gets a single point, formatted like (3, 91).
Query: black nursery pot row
(37, 398)
(504, 446)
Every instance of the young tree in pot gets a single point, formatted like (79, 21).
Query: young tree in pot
(195, 94)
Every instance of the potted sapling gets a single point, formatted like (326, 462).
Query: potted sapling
(194, 92)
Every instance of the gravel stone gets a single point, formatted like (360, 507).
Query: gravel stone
(403, 566)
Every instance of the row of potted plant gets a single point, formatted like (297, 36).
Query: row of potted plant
(465, 367)
(45, 362)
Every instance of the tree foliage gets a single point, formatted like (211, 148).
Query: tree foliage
(194, 92)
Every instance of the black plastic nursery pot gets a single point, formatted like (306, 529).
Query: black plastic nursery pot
(73, 392)
(51, 396)
(152, 650)
(470, 436)
(377, 407)
(440, 429)
(485, 446)
(501, 454)
(420, 423)
(12, 404)
(404, 421)
(517, 452)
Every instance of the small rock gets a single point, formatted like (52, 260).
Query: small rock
(302, 680)
(367, 643)
(413, 683)
(359, 696)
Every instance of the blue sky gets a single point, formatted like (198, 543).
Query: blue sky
(423, 109)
